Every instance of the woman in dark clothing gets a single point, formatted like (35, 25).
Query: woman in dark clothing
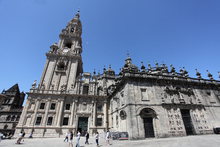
(87, 138)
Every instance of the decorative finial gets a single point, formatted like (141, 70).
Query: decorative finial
(142, 66)
(104, 69)
(198, 74)
(219, 75)
(128, 55)
(94, 72)
(78, 13)
(172, 69)
(149, 65)
(34, 84)
(209, 75)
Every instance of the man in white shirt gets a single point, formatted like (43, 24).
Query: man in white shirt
(77, 139)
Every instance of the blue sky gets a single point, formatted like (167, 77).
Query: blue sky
(179, 32)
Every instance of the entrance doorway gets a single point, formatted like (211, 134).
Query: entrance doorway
(83, 125)
(187, 121)
(147, 115)
(148, 127)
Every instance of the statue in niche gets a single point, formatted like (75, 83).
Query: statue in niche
(52, 87)
(34, 85)
(172, 99)
(190, 100)
(84, 106)
(42, 86)
(63, 87)
(72, 86)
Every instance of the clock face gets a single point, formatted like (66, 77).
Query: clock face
(65, 50)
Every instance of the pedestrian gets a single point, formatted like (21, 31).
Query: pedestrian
(31, 135)
(66, 137)
(97, 138)
(23, 134)
(1, 135)
(19, 137)
(70, 139)
(107, 137)
(87, 138)
(77, 139)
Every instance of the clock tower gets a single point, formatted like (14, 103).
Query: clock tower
(64, 61)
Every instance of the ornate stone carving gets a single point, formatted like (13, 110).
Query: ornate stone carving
(34, 85)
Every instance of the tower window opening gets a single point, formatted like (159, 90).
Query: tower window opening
(86, 89)
(61, 66)
(69, 45)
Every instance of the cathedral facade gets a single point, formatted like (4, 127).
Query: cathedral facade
(145, 102)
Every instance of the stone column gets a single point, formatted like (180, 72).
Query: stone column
(35, 112)
(46, 112)
(60, 113)
(105, 114)
(23, 116)
(74, 116)
(72, 113)
(94, 113)
(57, 112)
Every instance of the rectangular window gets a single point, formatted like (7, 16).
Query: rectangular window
(67, 107)
(144, 95)
(38, 121)
(65, 121)
(42, 105)
(49, 121)
(52, 106)
(99, 122)
(86, 89)
(99, 108)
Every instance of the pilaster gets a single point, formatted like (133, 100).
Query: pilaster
(72, 113)
(35, 111)
(60, 112)
(46, 112)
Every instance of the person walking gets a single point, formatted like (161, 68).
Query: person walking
(1, 135)
(19, 137)
(77, 139)
(66, 137)
(70, 135)
(97, 138)
(23, 134)
(107, 137)
(87, 138)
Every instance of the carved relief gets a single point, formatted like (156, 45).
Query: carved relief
(175, 122)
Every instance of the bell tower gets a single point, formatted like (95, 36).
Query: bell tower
(64, 61)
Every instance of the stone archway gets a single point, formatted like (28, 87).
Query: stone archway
(147, 115)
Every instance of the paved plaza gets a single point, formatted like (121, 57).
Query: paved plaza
(188, 141)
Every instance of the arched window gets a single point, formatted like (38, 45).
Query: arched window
(5, 126)
(123, 115)
(68, 45)
(8, 118)
(13, 118)
(61, 66)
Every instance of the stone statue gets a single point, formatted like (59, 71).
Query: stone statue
(42, 86)
(210, 75)
(34, 85)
